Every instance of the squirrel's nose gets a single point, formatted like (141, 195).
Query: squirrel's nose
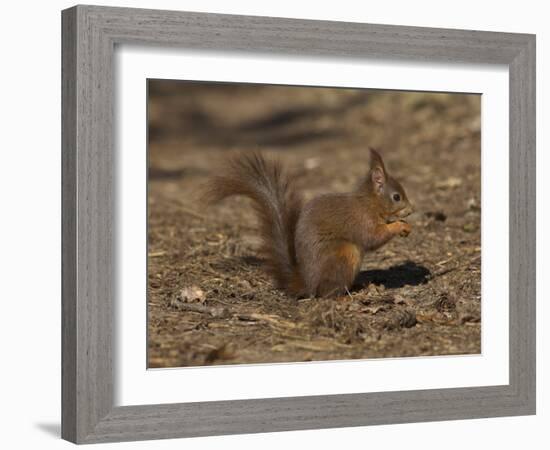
(408, 211)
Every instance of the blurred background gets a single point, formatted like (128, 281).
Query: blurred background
(208, 300)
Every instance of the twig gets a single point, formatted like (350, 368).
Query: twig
(214, 311)
(442, 272)
(271, 319)
(156, 254)
(186, 209)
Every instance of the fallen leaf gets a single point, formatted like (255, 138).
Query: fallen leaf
(190, 294)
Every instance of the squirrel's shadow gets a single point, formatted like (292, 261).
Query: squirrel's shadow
(407, 273)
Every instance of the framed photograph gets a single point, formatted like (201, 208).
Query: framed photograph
(277, 224)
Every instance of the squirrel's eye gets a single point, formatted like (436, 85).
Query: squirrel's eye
(396, 197)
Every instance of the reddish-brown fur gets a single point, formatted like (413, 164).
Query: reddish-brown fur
(316, 249)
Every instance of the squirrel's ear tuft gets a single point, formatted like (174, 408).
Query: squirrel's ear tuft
(377, 170)
(376, 160)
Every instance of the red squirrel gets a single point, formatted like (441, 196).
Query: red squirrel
(315, 248)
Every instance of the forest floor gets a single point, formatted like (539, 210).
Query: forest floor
(209, 302)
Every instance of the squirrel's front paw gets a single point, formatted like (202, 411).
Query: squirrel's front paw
(404, 229)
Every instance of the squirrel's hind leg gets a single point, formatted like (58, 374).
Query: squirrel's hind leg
(338, 269)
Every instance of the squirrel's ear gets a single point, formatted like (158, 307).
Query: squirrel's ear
(377, 170)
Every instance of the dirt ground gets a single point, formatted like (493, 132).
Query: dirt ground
(209, 301)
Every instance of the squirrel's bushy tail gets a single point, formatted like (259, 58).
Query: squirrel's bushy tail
(277, 205)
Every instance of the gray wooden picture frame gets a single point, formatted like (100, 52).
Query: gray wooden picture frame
(90, 34)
